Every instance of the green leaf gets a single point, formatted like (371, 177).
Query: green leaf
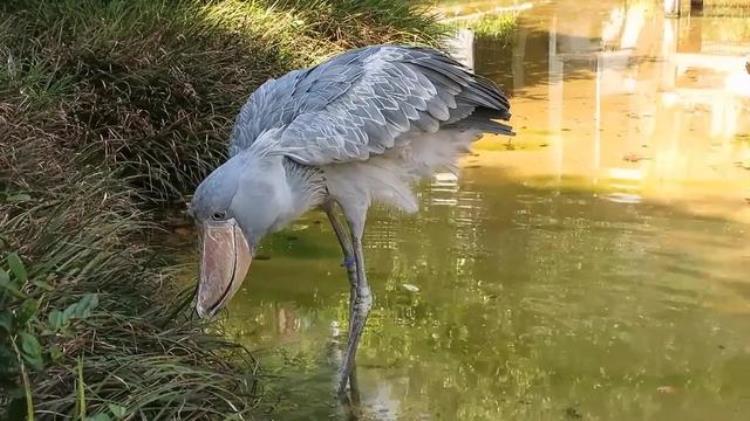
(17, 268)
(8, 363)
(82, 308)
(69, 312)
(55, 353)
(6, 284)
(102, 416)
(20, 197)
(30, 345)
(43, 285)
(117, 410)
(80, 391)
(26, 312)
(55, 320)
(31, 350)
(4, 278)
(90, 301)
(6, 320)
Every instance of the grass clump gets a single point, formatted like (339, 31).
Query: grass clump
(108, 109)
(152, 87)
(85, 328)
(148, 88)
(356, 23)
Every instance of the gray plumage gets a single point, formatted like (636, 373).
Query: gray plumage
(358, 128)
(358, 104)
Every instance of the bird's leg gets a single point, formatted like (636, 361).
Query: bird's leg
(360, 308)
(346, 249)
(342, 234)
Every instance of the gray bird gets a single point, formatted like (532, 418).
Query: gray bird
(363, 126)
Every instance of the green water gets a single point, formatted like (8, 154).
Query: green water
(596, 267)
(502, 301)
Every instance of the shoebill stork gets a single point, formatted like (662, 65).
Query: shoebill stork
(362, 127)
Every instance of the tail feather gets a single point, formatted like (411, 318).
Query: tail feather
(484, 119)
(472, 101)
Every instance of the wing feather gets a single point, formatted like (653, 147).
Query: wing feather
(359, 103)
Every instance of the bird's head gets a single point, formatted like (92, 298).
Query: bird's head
(234, 207)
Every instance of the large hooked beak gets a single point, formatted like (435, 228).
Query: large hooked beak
(225, 259)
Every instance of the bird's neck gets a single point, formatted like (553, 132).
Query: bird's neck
(307, 187)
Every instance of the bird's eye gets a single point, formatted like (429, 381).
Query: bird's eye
(219, 216)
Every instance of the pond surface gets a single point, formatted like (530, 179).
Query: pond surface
(597, 266)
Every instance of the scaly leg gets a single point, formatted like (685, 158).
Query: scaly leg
(342, 234)
(346, 249)
(360, 309)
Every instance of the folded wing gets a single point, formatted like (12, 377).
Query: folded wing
(360, 103)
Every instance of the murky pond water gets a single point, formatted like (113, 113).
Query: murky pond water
(596, 267)
(514, 300)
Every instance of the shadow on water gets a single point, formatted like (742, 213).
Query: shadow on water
(595, 270)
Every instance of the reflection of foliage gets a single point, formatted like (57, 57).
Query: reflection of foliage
(728, 30)
(499, 28)
(507, 314)
(726, 8)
